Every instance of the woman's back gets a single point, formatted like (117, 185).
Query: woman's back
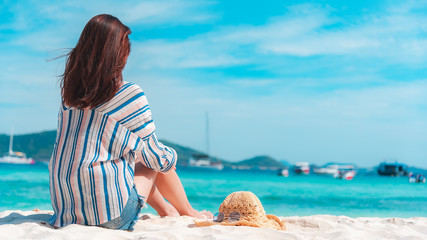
(91, 169)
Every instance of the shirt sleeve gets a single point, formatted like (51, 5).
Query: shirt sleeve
(151, 153)
(155, 155)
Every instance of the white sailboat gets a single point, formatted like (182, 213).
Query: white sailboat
(15, 157)
(204, 160)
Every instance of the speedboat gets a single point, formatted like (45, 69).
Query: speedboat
(341, 171)
(417, 178)
(327, 170)
(283, 172)
(345, 174)
(302, 168)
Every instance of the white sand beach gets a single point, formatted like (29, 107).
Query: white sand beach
(32, 225)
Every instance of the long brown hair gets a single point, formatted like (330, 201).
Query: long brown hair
(93, 71)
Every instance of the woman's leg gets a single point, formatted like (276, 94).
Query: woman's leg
(144, 180)
(171, 188)
(169, 185)
(163, 208)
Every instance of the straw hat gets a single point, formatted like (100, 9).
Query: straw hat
(251, 212)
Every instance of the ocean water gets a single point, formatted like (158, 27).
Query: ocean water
(26, 187)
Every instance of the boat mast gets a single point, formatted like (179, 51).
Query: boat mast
(11, 142)
(207, 134)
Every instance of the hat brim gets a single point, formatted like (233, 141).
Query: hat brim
(270, 221)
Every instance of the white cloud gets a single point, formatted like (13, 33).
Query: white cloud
(253, 82)
(308, 33)
(308, 30)
(163, 12)
(187, 54)
(42, 27)
(166, 12)
(305, 30)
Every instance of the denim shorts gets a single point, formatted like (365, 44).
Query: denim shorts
(129, 215)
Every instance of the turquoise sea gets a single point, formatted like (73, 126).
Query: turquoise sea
(26, 187)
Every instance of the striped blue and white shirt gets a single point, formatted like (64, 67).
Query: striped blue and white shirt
(92, 165)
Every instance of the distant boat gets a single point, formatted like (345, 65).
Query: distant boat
(203, 161)
(417, 178)
(327, 170)
(283, 172)
(346, 174)
(241, 167)
(15, 157)
(302, 168)
(392, 169)
(341, 171)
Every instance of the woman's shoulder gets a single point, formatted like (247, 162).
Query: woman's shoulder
(129, 93)
(129, 86)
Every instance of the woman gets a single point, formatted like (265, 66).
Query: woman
(107, 162)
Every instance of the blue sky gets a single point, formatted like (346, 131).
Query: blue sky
(316, 81)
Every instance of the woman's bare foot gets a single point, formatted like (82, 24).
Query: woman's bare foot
(207, 214)
(201, 215)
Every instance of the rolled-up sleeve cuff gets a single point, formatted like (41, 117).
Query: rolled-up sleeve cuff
(157, 156)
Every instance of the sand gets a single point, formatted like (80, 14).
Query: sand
(32, 225)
